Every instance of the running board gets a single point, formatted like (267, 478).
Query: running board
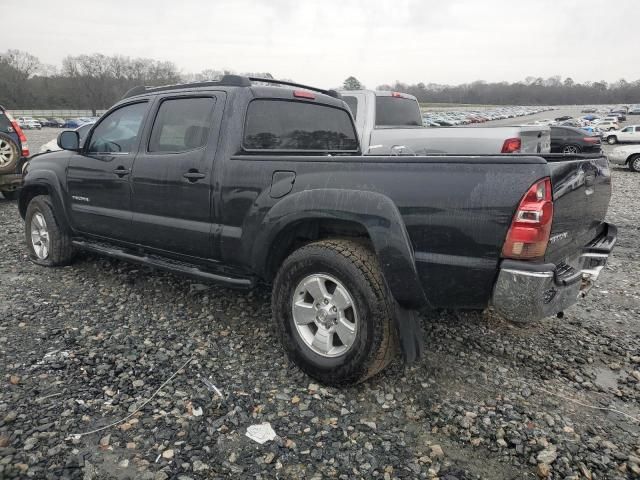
(164, 264)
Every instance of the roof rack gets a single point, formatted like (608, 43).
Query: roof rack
(331, 93)
(226, 81)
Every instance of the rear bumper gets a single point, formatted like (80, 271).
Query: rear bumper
(526, 292)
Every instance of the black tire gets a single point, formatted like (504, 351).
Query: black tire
(10, 194)
(9, 154)
(60, 251)
(357, 268)
(634, 163)
(612, 140)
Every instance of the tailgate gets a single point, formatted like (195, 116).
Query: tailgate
(535, 139)
(581, 193)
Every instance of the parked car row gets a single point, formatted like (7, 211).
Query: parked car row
(31, 123)
(455, 118)
(73, 123)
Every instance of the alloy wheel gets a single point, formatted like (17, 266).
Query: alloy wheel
(570, 149)
(324, 314)
(6, 153)
(39, 236)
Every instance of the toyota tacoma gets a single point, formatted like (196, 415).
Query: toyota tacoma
(246, 181)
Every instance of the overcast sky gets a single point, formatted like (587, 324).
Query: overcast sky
(323, 42)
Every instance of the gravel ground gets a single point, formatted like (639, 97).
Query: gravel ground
(85, 346)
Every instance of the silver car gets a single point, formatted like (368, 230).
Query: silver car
(627, 155)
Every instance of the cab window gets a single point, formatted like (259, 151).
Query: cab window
(182, 124)
(118, 132)
(298, 127)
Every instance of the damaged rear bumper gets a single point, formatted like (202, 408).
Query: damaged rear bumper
(526, 292)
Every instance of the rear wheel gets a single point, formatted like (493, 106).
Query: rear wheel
(634, 163)
(48, 241)
(9, 154)
(571, 149)
(334, 313)
(612, 140)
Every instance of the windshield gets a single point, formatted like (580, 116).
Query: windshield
(397, 112)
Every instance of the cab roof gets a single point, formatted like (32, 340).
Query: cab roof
(280, 88)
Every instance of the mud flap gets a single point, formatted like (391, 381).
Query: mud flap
(410, 334)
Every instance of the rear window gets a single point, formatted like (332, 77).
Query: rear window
(298, 126)
(397, 112)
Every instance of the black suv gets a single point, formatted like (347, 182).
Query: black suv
(13, 153)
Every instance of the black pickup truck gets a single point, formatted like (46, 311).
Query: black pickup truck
(240, 183)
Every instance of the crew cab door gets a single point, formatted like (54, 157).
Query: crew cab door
(172, 175)
(98, 176)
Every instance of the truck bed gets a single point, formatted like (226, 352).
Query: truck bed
(456, 209)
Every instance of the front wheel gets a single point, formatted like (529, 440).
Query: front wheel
(334, 313)
(48, 242)
(612, 140)
(634, 163)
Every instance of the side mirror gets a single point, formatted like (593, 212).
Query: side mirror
(69, 140)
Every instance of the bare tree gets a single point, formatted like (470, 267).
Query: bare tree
(23, 62)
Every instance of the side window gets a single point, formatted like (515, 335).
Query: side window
(181, 124)
(637, 129)
(627, 129)
(298, 126)
(119, 131)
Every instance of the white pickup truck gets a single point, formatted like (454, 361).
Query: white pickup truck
(630, 134)
(390, 123)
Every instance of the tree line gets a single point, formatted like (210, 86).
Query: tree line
(97, 81)
(531, 91)
(92, 82)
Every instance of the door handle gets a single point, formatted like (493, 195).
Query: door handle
(121, 171)
(194, 175)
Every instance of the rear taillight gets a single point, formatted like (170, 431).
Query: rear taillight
(591, 139)
(23, 138)
(511, 145)
(303, 94)
(530, 228)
